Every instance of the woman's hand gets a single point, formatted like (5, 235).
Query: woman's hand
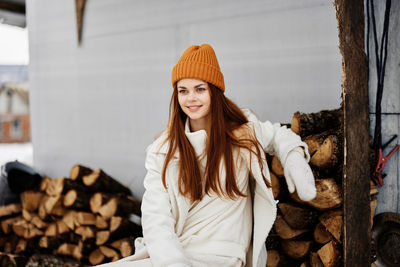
(299, 176)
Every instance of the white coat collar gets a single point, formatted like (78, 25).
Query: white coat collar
(198, 139)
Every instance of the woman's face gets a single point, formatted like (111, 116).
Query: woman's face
(194, 99)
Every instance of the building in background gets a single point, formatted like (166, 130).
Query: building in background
(14, 113)
(15, 73)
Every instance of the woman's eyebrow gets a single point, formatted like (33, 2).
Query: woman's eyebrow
(194, 87)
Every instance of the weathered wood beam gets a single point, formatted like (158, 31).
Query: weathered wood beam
(356, 171)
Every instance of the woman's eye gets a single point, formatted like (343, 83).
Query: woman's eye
(200, 89)
(182, 91)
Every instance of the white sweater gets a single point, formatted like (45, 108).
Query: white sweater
(218, 226)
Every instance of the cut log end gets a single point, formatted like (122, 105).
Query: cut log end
(69, 250)
(115, 222)
(326, 156)
(6, 225)
(69, 219)
(108, 252)
(329, 195)
(109, 209)
(43, 184)
(30, 200)
(329, 254)
(55, 186)
(101, 222)
(321, 235)
(51, 230)
(297, 217)
(305, 124)
(296, 249)
(315, 261)
(96, 257)
(70, 198)
(44, 242)
(295, 123)
(85, 232)
(333, 221)
(100, 181)
(125, 246)
(96, 202)
(74, 172)
(126, 249)
(85, 218)
(284, 230)
(91, 178)
(78, 171)
(10, 209)
(62, 227)
(102, 237)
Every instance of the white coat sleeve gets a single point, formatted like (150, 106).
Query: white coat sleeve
(276, 139)
(158, 224)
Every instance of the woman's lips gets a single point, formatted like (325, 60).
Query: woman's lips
(194, 108)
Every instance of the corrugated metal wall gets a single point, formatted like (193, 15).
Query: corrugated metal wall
(102, 103)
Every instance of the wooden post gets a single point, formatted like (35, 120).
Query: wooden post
(356, 171)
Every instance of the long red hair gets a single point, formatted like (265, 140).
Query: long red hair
(226, 117)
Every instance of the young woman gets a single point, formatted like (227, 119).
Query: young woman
(208, 198)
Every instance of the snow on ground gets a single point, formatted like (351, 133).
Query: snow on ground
(21, 152)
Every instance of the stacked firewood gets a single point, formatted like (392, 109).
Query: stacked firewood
(85, 216)
(310, 233)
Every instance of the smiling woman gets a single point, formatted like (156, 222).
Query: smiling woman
(194, 100)
(199, 207)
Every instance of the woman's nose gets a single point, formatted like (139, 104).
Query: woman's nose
(192, 95)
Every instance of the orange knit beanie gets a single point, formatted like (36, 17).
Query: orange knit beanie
(199, 62)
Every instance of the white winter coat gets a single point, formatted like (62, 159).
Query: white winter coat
(164, 211)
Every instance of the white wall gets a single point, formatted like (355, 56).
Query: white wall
(102, 103)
